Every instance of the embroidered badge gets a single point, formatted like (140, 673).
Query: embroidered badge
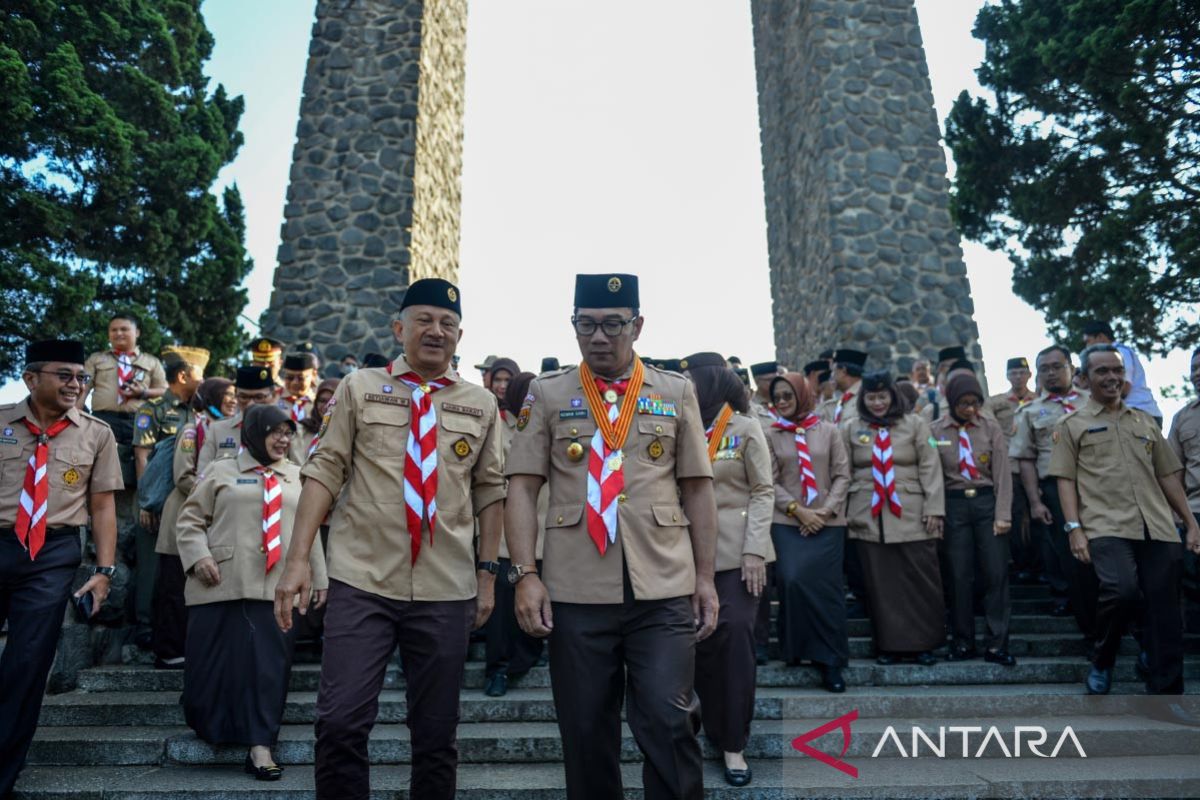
(864, 437)
(576, 402)
(614, 284)
(143, 421)
(984, 458)
(462, 448)
(575, 451)
(1054, 437)
(655, 450)
(188, 443)
(387, 388)
(8, 431)
(573, 414)
(71, 477)
(229, 442)
(452, 294)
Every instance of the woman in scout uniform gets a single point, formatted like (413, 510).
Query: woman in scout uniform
(233, 531)
(726, 668)
(812, 474)
(978, 519)
(894, 512)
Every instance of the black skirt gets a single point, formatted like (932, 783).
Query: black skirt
(235, 678)
(808, 578)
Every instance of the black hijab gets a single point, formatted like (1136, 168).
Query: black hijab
(257, 422)
(518, 387)
(716, 386)
(880, 382)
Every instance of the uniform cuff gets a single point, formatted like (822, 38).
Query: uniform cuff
(484, 497)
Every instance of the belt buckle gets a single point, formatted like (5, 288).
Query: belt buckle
(970, 493)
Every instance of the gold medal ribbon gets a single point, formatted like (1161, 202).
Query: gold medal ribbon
(718, 431)
(614, 435)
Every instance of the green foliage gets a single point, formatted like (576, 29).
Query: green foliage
(109, 144)
(1086, 168)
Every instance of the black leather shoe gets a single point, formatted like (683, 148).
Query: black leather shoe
(832, 680)
(1174, 713)
(174, 663)
(926, 659)
(1000, 657)
(271, 773)
(1142, 667)
(738, 777)
(1099, 681)
(497, 685)
(760, 655)
(960, 652)
(885, 659)
(1062, 609)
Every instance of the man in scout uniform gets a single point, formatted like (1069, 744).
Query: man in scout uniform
(1026, 542)
(157, 419)
(267, 352)
(1137, 391)
(760, 402)
(222, 439)
(299, 378)
(1031, 444)
(1119, 483)
(629, 548)
(847, 382)
(58, 465)
(1185, 440)
(485, 371)
(414, 454)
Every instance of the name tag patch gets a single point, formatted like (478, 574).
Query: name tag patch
(8, 440)
(229, 442)
(390, 400)
(573, 414)
(470, 412)
(247, 480)
(1098, 430)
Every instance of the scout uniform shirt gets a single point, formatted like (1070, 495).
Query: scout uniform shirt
(298, 450)
(222, 439)
(158, 418)
(361, 456)
(761, 409)
(1185, 442)
(831, 467)
(745, 493)
(919, 483)
(665, 443)
(1035, 427)
(989, 453)
(82, 460)
(1003, 408)
(183, 470)
(1115, 459)
(222, 519)
(102, 366)
(508, 430)
(828, 410)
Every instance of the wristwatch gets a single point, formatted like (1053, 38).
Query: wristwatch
(107, 572)
(791, 508)
(490, 567)
(1072, 526)
(518, 571)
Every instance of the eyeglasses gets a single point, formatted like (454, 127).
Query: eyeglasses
(783, 397)
(1052, 367)
(66, 376)
(282, 433)
(586, 326)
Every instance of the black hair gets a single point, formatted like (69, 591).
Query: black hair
(1052, 348)
(173, 367)
(126, 315)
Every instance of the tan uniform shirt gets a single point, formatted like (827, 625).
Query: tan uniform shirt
(1003, 408)
(1185, 441)
(1035, 423)
(298, 450)
(82, 460)
(991, 460)
(222, 520)
(1115, 459)
(223, 439)
(745, 492)
(761, 409)
(361, 456)
(102, 366)
(828, 410)
(508, 430)
(919, 482)
(831, 466)
(652, 542)
(183, 469)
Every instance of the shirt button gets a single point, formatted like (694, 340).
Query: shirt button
(560, 519)
(674, 518)
(574, 431)
(658, 428)
(621, 498)
(262, 549)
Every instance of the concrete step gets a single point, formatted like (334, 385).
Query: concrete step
(537, 705)
(538, 742)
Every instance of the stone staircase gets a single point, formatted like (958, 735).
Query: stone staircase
(121, 732)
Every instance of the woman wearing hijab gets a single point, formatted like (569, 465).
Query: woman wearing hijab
(812, 475)
(233, 530)
(215, 398)
(726, 668)
(895, 515)
(978, 518)
(311, 424)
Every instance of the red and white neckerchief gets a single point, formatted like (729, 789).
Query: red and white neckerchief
(1067, 401)
(966, 458)
(35, 493)
(606, 476)
(421, 463)
(1020, 401)
(299, 406)
(201, 432)
(808, 478)
(272, 525)
(884, 473)
(841, 404)
(124, 369)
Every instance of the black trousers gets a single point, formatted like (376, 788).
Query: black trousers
(361, 632)
(1125, 567)
(170, 611)
(762, 620)
(652, 644)
(510, 650)
(725, 666)
(1081, 578)
(33, 596)
(977, 557)
(1025, 539)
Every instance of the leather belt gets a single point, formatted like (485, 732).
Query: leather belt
(970, 494)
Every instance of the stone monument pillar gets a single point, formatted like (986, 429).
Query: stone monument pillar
(863, 252)
(374, 197)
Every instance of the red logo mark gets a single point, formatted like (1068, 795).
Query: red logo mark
(801, 743)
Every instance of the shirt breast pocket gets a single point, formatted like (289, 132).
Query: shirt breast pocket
(461, 438)
(70, 468)
(384, 430)
(1190, 443)
(1098, 448)
(656, 440)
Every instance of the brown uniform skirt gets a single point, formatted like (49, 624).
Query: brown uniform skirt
(904, 594)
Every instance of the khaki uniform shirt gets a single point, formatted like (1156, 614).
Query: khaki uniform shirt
(183, 469)
(1032, 438)
(1185, 441)
(102, 366)
(361, 456)
(828, 410)
(761, 409)
(222, 439)
(919, 483)
(222, 520)
(82, 461)
(298, 450)
(1003, 408)
(508, 430)
(831, 466)
(991, 459)
(158, 418)
(745, 492)
(1115, 459)
(653, 541)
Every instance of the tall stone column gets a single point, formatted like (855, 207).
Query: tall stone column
(863, 252)
(374, 196)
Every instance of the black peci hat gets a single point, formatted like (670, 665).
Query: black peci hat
(961, 363)
(433, 292)
(827, 355)
(952, 353)
(1098, 327)
(1017, 363)
(698, 360)
(816, 366)
(299, 361)
(877, 381)
(853, 358)
(606, 291)
(254, 376)
(373, 360)
(67, 351)
(550, 364)
(764, 368)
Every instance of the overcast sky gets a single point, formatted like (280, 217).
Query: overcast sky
(615, 136)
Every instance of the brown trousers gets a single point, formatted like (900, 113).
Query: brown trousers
(361, 631)
(725, 666)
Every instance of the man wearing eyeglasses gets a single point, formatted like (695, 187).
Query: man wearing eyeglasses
(58, 465)
(629, 548)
